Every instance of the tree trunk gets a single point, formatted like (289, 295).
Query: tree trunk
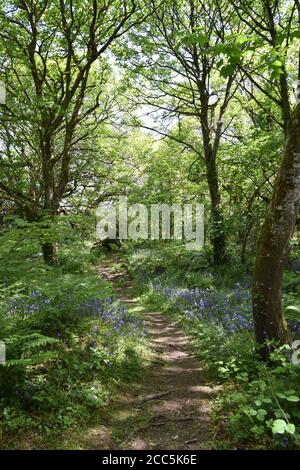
(50, 254)
(218, 233)
(273, 244)
(245, 240)
(49, 249)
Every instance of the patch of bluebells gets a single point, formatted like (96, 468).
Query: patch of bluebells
(295, 326)
(229, 310)
(117, 316)
(24, 306)
(293, 265)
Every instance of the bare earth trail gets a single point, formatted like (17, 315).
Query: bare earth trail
(169, 408)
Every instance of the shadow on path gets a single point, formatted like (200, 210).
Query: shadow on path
(169, 408)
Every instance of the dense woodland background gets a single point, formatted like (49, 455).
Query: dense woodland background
(178, 101)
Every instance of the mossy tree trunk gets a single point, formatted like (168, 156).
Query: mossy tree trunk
(218, 233)
(273, 244)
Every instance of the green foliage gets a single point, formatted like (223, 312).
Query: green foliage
(260, 402)
(66, 349)
(179, 102)
(267, 406)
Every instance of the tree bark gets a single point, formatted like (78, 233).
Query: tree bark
(273, 244)
(50, 253)
(211, 143)
(245, 240)
(218, 232)
(50, 206)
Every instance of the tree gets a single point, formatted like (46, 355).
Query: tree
(273, 25)
(182, 75)
(274, 241)
(55, 67)
(247, 181)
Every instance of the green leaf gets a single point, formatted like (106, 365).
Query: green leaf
(267, 400)
(290, 428)
(293, 398)
(277, 63)
(227, 71)
(192, 39)
(279, 426)
(295, 34)
(261, 414)
(240, 39)
(293, 308)
(202, 39)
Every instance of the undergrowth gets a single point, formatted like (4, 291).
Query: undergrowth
(69, 344)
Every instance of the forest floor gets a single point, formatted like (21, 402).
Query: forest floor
(169, 407)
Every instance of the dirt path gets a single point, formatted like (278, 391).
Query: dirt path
(169, 408)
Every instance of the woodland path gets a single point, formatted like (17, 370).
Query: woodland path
(169, 408)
